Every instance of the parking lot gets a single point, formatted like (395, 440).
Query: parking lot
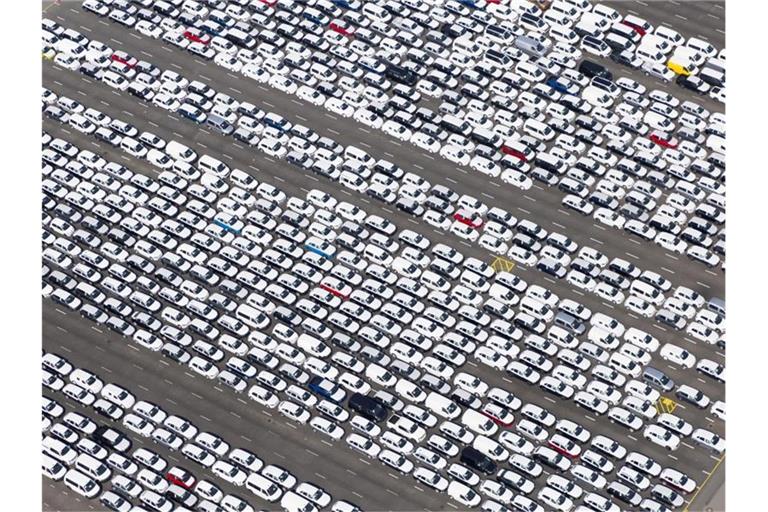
(111, 350)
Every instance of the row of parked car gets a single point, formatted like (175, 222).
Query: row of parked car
(663, 227)
(318, 199)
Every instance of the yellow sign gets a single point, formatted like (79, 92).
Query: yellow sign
(665, 404)
(500, 264)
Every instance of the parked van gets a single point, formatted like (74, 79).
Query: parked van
(623, 364)
(59, 450)
(52, 468)
(701, 46)
(618, 43)
(672, 37)
(569, 322)
(292, 502)
(646, 292)
(626, 32)
(368, 407)
(213, 166)
(712, 77)
(536, 308)
(530, 45)
(468, 47)
(251, 316)
(351, 152)
(487, 137)
(538, 129)
(179, 151)
(92, 467)
(657, 378)
(456, 125)
(263, 488)
(717, 305)
(81, 484)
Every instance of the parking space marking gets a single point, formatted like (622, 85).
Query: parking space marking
(279, 454)
(97, 330)
(189, 375)
(357, 494)
(116, 41)
(65, 349)
(631, 255)
(549, 399)
(596, 241)
(364, 462)
(667, 270)
(529, 198)
(688, 445)
(557, 224)
(418, 167)
(452, 505)
(524, 210)
(205, 418)
(196, 396)
(706, 480)
(702, 284)
(390, 491)
(85, 28)
(563, 212)
(205, 78)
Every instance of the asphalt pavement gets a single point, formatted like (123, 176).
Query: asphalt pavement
(540, 204)
(294, 181)
(704, 19)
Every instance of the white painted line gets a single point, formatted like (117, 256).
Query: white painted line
(418, 167)
(333, 131)
(671, 457)
(205, 78)
(116, 41)
(596, 241)
(667, 270)
(301, 118)
(524, 210)
(633, 241)
(550, 399)
(558, 225)
(688, 446)
(671, 256)
(702, 284)
(529, 198)
(97, 330)
(205, 418)
(85, 28)
(681, 17)
(60, 311)
(105, 369)
(311, 452)
(489, 196)
(135, 36)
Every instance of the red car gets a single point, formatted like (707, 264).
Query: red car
(663, 140)
(336, 287)
(124, 58)
(640, 29)
(341, 27)
(564, 446)
(513, 152)
(270, 3)
(181, 477)
(471, 219)
(196, 35)
(498, 414)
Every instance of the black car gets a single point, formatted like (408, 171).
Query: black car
(465, 398)
(246, 136)
(692, 84)
(591, 69)
(551, 267)
(410, 206)
(112, 438)
(368, 407)
(477, 460)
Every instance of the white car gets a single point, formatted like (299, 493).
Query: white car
(339, 107)
(368, 118)
(677, 355)
(517, 179)
(662, 437)
(455, 154)
(425, 142)
(308, 94)
(396, 130)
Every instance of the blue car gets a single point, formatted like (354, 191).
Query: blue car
(327, 389)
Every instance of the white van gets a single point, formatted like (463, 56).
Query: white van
(292, 502)
(623, 364)
(529, 71)
(69, 47)
(213, 166)
(536, 309)
(716, 200)
(468, 47)
(556, 18)
(351, 152)
(478, 423)
(442, 406)
(701, 46)
(376, 12)
(251, 316)
(263, 488)
(81, 484)
(92, 467)
(672, 37)
(179, 151)
(52, 468)
(59, 450)
(609, 13)
(650, 54)
(378, 255)
(646, 292)
(538, 129)
(564, 33)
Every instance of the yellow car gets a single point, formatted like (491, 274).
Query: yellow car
(49, 53)
(678, 68)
